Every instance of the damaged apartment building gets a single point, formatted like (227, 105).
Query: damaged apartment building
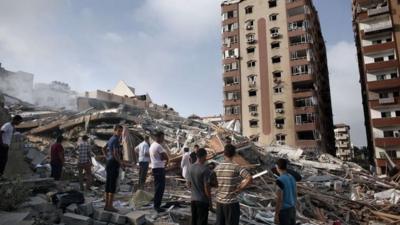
(276, 81)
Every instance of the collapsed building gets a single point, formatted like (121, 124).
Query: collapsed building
(330, 191)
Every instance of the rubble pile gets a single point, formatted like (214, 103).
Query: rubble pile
(330, 190)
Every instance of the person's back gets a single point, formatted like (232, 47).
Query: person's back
(56, 151)
(287, 183)
(229, 176)
(199, 175)
(144, 152)
(155, 155)
(84, 152)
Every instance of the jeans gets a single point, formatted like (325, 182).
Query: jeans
(56, 170)
(3, 158)
(199, 213)
(143, 168)
(228, 214)
(287, 216)
(112, 170)
(159, 186)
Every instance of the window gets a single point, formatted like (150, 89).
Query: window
(393, 75)
(305, 135)
(253, 123)
(378, 59)
(231, 40)
(230, 27)
(251, 49)
(279, 122)
(232, 110)
(301, 39)
(277, 74)
(251, 38)
(252, 78)
(384, 95)
(272, 3)
(248, 9)
(273, 17)
(251, 63)
(391, 57)
(278, 105)
(230, 66)
(249, 24)
(392, 154)
(275, 44)
(229, 14)
(302, 24)
(276, 59)
(385, 114)
(232, 95)
(252, 93)
(229, 81)
(274, 30)
(388, 133)
(305, 118)
(389, 39)
(278, 89)
(253, 108)
(395, 94)
(301, 54)
(380, 77)
(300, 69)
(304, 102)
(280, 137)
(397, 113)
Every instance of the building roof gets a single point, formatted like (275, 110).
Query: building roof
(123, 89)
(341, 125)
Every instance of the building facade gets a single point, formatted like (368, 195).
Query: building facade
(276, 81)
(344, 148)
(378, 41)
(17, 84)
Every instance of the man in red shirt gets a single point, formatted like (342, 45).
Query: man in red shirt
(57, 158)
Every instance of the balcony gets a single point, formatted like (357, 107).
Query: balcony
(384, 84)
(346, 145)
(304, 110)
(232, 87)
(379, 47)
(303, 78)
(231, 117)
(306, 126)
(379, 27)
(303, 93)
(384, 102)
(295, 4)
(378, 11)
(387, 142)
(386, 122)
(342, 137)
(390, 64)
(232, 102)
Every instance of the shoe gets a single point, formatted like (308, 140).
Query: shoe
(160, 210)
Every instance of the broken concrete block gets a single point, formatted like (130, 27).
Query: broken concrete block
(98, 222)
(75, 219)
(86, 209)
(136, 218)
(118, 218)
(73, 208)
(102, 215)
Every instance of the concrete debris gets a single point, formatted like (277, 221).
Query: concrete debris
(330, 190)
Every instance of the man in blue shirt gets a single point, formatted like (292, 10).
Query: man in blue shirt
(286, 196)
(114, 162)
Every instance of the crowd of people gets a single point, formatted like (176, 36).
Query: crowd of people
(228, 178)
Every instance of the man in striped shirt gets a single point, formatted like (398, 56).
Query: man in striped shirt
(231, 181)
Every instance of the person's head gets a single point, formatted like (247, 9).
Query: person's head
(118, 130)
(212, 165)
(147, 139)
(229, 151)
(228, 140)
(281, 165)
(159, 137)
(85, 138)
(16, 120)
(185, 149)
(59, 139)
(196, 148)
(201, 155)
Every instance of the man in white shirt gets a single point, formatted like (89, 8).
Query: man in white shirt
(185, 163)
(159, 159)
(6, 132)
(144, 160)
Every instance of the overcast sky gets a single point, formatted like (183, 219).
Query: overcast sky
(168, 48)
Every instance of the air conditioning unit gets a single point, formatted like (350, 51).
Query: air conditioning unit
(279, 110)
(278, 125)
(254, 114)
(275, 35)
(249, 27)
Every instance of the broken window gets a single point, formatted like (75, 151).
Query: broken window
(277, 74)
(251, 38)
(231, 81)
(251, 49)
(302, 24)
(305, 135)
(275, 44)
(251, 63)
(272, 3)
(279, 123)
(280, 137)
(253, 108)
(273, 17)
(252, 80)
(249, 24)
(278, 89)
(253, 123)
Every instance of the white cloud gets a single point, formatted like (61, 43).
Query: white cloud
(346, 89)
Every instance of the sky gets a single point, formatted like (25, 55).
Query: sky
(167, 48)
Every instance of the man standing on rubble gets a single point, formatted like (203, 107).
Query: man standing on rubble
(231, 181)
(159, 160)
(193, 157)
(286, 195)
(114, 162)
(144, 158)
(6, 132)
(185, 163)
(85, 162)
(199, 180)
(57, 158)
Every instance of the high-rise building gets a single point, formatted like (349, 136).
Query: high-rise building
(344, 148)
(375, 24)
(276, 81)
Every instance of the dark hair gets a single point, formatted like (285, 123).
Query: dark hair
(201, 153)
(85, 137)
(282, 164)
(186, 149)
(59, 139)
(159, 134)
(229, 150)
(17, 118)
(146, 137)
(196, 146)
(117, 127)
